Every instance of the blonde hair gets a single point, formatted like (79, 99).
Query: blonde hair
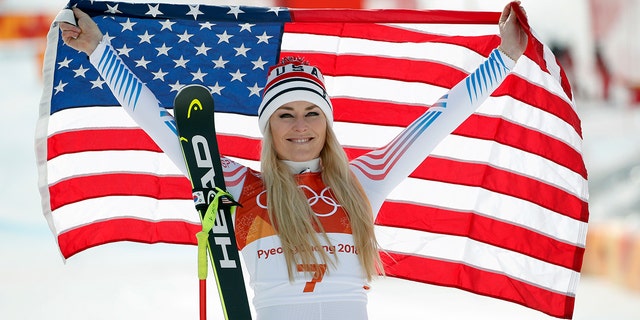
(294, 220)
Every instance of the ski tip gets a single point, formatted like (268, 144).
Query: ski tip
(193, 96)
(193, 90)
(194, 85)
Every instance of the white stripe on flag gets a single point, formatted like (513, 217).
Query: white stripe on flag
(452, 55)
(532, 118)
(491, 204)
(479, 255)
(449, 29)
(74, 215)
(89, 118)
(98, 162)
(416, 93)
(531, 72)
(512, 160)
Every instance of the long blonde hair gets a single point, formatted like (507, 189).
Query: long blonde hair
(294, 220)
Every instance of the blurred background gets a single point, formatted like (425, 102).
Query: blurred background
(597, 43)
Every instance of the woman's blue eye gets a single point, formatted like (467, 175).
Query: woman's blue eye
(312, 114)
(286, 115)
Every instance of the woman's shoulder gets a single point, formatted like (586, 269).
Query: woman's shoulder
(253, 182)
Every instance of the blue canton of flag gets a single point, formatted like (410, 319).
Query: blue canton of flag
(231, 57)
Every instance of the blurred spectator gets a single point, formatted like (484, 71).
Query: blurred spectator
(603, 71)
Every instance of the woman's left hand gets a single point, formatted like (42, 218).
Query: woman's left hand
(513, 37)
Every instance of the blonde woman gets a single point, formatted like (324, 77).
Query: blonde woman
(306, 226)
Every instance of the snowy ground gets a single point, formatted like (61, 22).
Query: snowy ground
(135, 281)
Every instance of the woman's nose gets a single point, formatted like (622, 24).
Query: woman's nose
(300, 124)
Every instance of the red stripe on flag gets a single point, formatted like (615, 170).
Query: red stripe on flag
(540, 98)
(136, 139)
(126, 229)
(99, 140)
(445, 273)
(385, 68)
(393, 15)
(514, 135)
(366, 112)
(118, 184)
(480, 228)
(482, 44)
(504, 182)
(241, 147)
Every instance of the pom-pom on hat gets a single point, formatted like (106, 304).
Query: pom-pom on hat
(293, 79)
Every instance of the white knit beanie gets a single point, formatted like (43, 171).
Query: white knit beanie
(293, 80)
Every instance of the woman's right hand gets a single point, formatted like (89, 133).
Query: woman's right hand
(85, 37)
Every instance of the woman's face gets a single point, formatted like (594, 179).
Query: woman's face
(299, 130)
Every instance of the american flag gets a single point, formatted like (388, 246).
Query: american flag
(499, 208)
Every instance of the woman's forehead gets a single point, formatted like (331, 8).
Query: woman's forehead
(301, 104)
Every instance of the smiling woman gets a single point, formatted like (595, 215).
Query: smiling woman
(295, 110)
(298, 130)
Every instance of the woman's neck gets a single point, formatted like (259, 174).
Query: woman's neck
(297, 167)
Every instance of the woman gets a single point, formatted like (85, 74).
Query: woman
(306, 225)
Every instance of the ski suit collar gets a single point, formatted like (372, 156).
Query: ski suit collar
(296, 167)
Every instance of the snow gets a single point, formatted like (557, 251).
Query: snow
(137, 281)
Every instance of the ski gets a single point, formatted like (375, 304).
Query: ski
(194, 114)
